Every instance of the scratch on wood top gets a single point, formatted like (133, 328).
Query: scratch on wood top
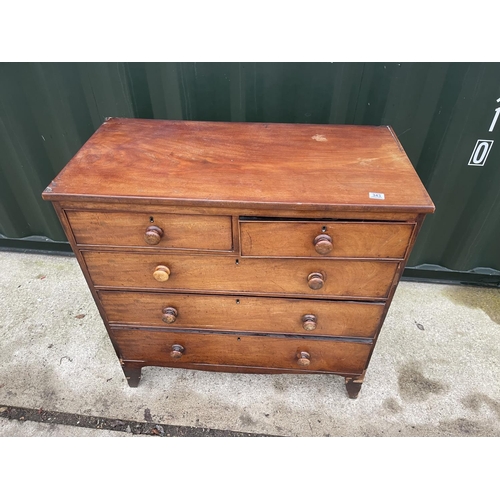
(319, 138)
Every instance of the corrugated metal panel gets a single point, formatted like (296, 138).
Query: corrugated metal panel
(438, 110)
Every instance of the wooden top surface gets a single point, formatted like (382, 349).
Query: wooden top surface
(252, 165)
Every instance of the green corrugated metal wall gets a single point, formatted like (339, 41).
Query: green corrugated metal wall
(438, 110)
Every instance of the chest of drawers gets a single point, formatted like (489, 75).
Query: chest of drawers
(241, 247)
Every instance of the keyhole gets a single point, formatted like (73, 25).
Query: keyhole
(323, 229)
(237, 262)
(237, 301)
(151, 219)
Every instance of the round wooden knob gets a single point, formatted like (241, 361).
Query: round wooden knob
(323, 244)
(303, 358)
(309, 322)
(177, 351)
(316, 280)
(161, 273)
(153, 235)
(169, 315)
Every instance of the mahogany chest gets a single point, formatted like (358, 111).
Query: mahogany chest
(241, 247)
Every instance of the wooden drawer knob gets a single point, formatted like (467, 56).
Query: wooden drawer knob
(153, 235)
(309, 322)
(303, 358)
(316, 280)
(177, 351)
(169, 315)
(161, 273)
(323, 244)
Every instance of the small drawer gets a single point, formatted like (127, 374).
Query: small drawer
(325, 239)
(203, 232)
(240, 313)
(176, 349)
(177, 272)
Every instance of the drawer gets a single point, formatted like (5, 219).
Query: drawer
(204, 232)
(248, 314)
(153, 347)
(326, 239)
(313, 277)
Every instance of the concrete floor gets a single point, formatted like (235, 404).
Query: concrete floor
(434, 372)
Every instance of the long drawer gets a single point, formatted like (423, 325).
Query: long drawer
(153, 347)
(240, 313)
(325, 239)
(161, 230)
(312, 277)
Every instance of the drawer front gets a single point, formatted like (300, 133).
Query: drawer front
(153, 347)
(248, 314)
(325, 239)
(345, 278)
(204, 232)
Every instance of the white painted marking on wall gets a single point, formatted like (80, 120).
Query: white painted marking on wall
(495, 118)
(480, 154)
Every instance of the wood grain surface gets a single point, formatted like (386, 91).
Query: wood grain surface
(247, 314)
(296, 239)
(346, 278)
(155, 347)
(243, 165)
(127, 229)
(144, 204)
